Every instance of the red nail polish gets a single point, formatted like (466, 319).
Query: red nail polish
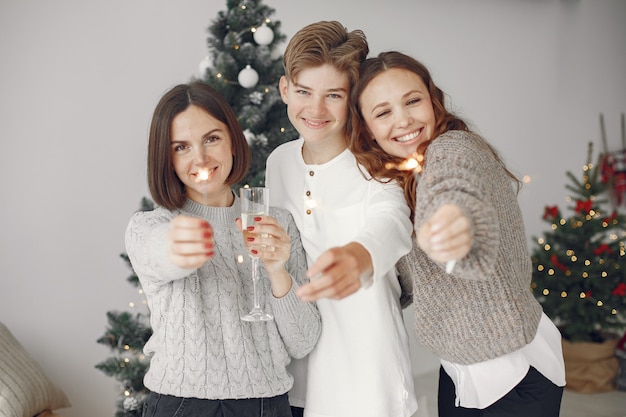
(257, 219)
(250, 239)
(250, 228)
(207, 234)
(254, 251)
(208, 245)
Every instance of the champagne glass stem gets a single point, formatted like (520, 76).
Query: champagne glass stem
(255, 282)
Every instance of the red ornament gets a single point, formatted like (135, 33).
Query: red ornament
(557, 263)
(584, 207)
(610, 218)
(550, 212)
(603, 248)
(620, 290)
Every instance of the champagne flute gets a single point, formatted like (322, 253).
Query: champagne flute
(255, 201)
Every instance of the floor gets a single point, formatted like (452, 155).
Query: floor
(610, 404)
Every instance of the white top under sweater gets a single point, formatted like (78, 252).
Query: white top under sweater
(481, 384)
(360, 366)
(200, 347)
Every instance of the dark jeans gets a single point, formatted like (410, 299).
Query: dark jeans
(534, 396)
(159, 405)
(297, 411)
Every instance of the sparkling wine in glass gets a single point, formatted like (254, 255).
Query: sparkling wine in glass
(255, 201)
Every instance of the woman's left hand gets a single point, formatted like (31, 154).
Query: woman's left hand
(268, 240)
(271, 243)
(446, 235)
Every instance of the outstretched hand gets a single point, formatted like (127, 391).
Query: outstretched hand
(446, 235)
(190, 242)
(337, 273)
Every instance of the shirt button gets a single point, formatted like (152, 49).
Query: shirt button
(311, 173)
(308, 211)
(308, 194)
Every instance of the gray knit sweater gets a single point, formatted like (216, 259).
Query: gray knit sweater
(485, 308)
(200, 346)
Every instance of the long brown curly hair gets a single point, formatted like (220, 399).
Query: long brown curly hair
(381, 165)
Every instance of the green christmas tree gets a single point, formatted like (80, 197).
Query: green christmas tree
(243, 66)
(579, 265)
(126, 335)
(242, 36)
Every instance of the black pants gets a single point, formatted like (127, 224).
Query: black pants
(297, 411)
(534, 396)
(159, 405)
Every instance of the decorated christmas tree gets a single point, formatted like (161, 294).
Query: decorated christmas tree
(244, 66)
(579, 265)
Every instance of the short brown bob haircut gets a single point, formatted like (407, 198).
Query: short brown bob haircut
(166, 188)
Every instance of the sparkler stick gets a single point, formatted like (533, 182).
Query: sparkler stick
(203, 175)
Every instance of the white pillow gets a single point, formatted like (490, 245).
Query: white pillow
(25, 390)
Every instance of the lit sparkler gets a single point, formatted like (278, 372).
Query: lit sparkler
(203, 174)
(414, 163)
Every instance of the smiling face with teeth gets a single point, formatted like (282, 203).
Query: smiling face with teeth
(202, 156)
(317, 106)
(398, 111)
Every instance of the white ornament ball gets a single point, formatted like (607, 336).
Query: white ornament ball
(263, 35)
(204, 65)
(130, 403)
(248, 77)
(249, 136)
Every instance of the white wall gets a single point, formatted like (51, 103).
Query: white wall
(79, 80)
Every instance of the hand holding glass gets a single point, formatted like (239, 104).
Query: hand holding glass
(255, 201)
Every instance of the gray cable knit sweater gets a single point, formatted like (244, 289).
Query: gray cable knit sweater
(200, 346)
(485, 308)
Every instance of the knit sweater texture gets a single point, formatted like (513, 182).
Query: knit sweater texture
(485, 308)
(200, 347)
